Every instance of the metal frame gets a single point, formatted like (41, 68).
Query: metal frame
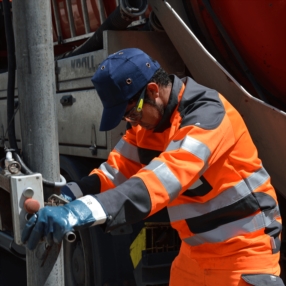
(57, 21)
(85, 16)
(71, 19)
(86, 20)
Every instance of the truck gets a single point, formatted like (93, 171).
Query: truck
(235, 47)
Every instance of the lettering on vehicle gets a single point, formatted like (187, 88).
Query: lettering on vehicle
(84, 62)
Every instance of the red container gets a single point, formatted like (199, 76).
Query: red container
(257, 28)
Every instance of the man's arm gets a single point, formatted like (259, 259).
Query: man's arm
(123, 162)
(52, 223)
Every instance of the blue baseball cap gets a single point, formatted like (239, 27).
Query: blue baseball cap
(117, 79)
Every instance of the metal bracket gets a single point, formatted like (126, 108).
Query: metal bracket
(55, 200)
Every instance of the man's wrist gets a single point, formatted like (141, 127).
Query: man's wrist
(95, 207)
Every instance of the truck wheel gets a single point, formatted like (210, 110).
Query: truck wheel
(78, 261)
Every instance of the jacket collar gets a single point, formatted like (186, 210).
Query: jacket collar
(172, 104)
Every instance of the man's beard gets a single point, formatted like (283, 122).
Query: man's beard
(151, 102)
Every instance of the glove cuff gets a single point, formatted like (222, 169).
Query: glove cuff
(95, 207)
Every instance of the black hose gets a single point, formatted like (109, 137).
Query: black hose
(119, 19)
(11, 75)
(153, 24)
(235, 52)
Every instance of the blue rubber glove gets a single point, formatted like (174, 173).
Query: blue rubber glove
(71, 191)
(52, 223)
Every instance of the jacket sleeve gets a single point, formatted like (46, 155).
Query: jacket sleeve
(123, 162)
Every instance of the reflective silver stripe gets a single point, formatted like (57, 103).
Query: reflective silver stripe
(166, 177)
(112, 174)
(127, 150)
(238, 227)
(226, 198)
(193, 146)
(256, 179)
(270, 215)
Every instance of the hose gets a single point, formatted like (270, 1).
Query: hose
(153, 24)
(11, 75)
(119, 19)
(27, 171)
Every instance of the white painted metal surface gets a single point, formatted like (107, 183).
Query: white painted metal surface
(18, 185)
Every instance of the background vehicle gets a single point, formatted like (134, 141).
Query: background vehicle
(235, 48)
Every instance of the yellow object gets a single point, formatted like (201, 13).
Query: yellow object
(137, 246)
(140, 105)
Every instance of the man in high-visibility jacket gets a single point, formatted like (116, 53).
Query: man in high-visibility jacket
(185, 148)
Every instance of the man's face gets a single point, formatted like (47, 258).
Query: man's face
(151, 113)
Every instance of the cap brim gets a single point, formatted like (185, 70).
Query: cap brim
(111, 117)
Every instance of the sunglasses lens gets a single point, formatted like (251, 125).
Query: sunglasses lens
(133, 115)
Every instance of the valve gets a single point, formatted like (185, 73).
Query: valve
(10, 164)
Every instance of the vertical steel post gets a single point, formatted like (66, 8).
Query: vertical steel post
(36, 89)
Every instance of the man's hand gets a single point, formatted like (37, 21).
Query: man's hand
(52, 223)
(71, 191)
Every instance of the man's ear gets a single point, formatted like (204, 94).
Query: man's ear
(153, 90)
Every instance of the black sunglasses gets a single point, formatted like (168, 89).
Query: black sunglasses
(135, 113)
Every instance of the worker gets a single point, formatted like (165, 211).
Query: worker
(185, 148)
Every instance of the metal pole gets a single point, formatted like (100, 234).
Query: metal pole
(38, 117)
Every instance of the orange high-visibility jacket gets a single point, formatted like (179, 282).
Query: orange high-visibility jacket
(200, 163)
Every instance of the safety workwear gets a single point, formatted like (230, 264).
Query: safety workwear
(118, 78)
(54, 222)
(200, 163)
(186, 271)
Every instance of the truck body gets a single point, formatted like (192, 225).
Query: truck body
(188, 38)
